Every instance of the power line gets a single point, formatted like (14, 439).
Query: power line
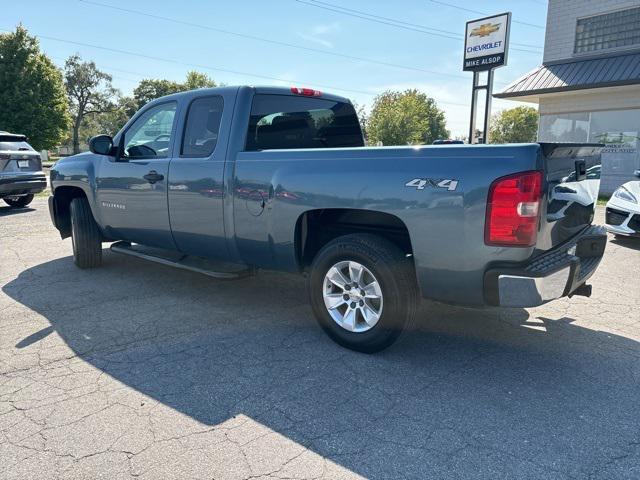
(400, 23)
(207, 67)
(267, 40)
(276, 42)
(438, 2)
(424, 27)
(405, 26)
(138, 75)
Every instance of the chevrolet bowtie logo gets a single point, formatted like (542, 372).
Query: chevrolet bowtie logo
(485, 30)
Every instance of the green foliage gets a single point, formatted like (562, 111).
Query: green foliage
(405, 118)
(32, 94)
(90, 93)
(198, 80)
(516, 125)
(361, 112)
(150, 89)
(109, 122)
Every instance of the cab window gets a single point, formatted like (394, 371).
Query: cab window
(286, 121)
(202, 127)
(150, 135)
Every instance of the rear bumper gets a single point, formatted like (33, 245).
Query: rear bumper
(22, 184)
(555, 274)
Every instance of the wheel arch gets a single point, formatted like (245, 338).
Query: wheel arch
(315, 228)
(61, 211)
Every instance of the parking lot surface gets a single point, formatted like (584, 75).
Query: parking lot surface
(140, 370)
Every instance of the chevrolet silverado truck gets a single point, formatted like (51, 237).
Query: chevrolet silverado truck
(227, 180)
(21, 175)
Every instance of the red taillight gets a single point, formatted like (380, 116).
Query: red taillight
(307, 92)
(513, 210)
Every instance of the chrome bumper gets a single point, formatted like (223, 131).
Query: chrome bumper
(555, 274)
(517, 291)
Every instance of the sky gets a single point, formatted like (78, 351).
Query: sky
(355, 48)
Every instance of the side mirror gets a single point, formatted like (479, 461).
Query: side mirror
(101, 144)
(637, 173)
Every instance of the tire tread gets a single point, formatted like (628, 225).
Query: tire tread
(88, 239)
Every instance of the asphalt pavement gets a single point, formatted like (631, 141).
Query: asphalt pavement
(140, 370)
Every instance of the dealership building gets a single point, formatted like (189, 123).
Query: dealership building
(588, 86)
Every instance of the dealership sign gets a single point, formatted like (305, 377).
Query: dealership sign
(487, 42)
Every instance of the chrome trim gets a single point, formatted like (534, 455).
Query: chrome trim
(521, 291)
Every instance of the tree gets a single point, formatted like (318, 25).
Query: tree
(198, 80)
(405, 118)
(516, 125)
(90, 93)
(32, 95)
(109, 122)
(361, 112)
(150, 89)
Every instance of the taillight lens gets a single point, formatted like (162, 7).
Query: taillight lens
(307, 92)
(513, 210)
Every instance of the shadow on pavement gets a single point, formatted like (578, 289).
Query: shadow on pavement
(6, 211)
(467, 393)
(628, 242)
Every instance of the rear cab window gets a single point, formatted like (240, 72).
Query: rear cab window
(286, 122)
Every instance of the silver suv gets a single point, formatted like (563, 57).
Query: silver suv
(21, 174)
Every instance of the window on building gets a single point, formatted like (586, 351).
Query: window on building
(564, 127)
(610, 30)
(285, 121)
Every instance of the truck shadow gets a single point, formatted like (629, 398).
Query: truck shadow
(496, 391)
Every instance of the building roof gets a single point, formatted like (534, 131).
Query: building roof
(577, 75)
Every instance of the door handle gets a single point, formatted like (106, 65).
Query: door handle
(153, 177)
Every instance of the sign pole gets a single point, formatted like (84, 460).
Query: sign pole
(474, 108)
(487, 107)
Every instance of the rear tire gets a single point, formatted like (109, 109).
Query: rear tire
(19, 202)
(85, 235)
(386, 294)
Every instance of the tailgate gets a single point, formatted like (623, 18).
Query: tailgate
(573, 181)
(16, 161)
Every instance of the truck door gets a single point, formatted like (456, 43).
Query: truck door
(196, 183)
(132, 188)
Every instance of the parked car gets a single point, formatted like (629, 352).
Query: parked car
(263, 177)
(21, 174)
(623, 209)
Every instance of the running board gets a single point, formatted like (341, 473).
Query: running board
(220, 270)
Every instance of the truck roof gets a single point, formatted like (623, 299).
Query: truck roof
(258, 89)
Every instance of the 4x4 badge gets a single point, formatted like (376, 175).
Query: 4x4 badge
(421, 183)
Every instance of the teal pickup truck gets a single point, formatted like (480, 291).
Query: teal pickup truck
(226, 180)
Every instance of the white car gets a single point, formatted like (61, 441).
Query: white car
(623, 210)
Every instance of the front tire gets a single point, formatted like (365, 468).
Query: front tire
(363, 292)
(85, 235)
(19, 202)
